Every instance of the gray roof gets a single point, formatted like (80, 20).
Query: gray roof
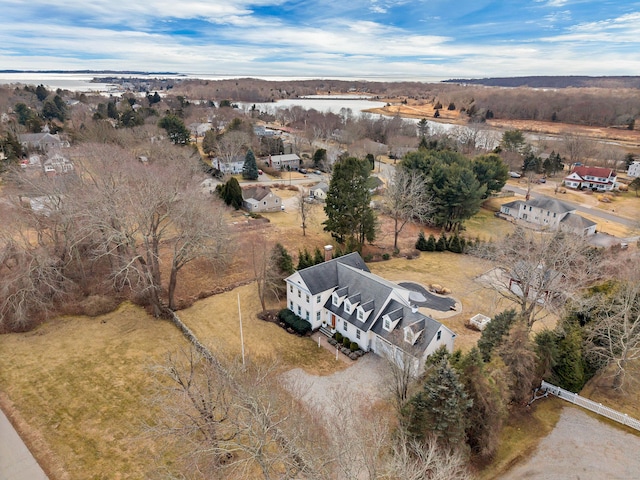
(322, 186)
(256, 192)
(576, 221)
(550, 204)
(514, 204)
(416, 321)
(323, 276)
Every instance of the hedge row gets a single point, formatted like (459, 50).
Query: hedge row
(290, 319)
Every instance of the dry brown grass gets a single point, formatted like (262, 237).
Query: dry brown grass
(82, 384)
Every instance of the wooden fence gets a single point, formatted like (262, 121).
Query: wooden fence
(595, 407)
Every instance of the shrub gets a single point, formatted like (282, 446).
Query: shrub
(421, 243)
(338, 337)
(346, 342)
(354, 346)
(385, 256)
(293, 321)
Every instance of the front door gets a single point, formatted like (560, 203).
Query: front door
(333, 321)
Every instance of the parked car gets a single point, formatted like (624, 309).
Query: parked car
(317, 172)
(260, 172)
(514, 175)
(303, 171)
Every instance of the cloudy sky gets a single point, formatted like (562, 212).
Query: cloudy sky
(326, 38)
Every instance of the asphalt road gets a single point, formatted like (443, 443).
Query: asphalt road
(16, 461)
(579, 207)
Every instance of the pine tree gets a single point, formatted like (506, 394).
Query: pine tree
(421, 243)
(318, 257)
(431, 243)
(441, 244)
(440, 408)
(250, 167)
(304, 259)
(454, 244)
(282, 260)
(231, 193)
(494, 333)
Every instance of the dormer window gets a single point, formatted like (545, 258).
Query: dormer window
(347, 306)
(335, 300)
(408, 336)
(361, 314)
(387, 324)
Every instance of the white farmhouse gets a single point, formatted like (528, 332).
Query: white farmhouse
(634, 169)
(342, 295)
(595, 178)
(550, 213)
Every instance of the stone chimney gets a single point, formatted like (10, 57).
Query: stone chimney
(328, 252)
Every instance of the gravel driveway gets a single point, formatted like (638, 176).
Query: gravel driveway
(581, 447)
(366, 377)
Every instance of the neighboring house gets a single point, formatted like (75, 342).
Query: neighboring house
(375, 184)
(342, 295)
(57, 164)
(538, 283)
(550, 213)
(319, 191)
(258, 198)
(634, 169)
(232, 167)
(598, 178)
(43, 141)
(289, 161)
(199, 129)
(262, 131)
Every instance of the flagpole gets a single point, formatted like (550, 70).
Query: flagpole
(241, 335)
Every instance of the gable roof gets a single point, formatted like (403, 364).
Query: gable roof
(416, 321)
(576, 221)
(321, 186)
(594, 172)
(550, 204)
(255, 192)
(514, 204)
(324, 276)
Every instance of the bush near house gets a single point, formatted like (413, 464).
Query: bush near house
(297, 324)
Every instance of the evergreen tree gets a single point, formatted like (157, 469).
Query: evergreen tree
(441, 244)
(176, 130)
(319, 157)
(493, 334)
(486, 418)
(440, 408)
(305, 259)
(491, 172)
(349, 214)
(318, 256)
(250, 167)
(41, 92)
(282, 260)
(569, 369)
(518, 356)
(232, 193)
(421, 243)
(431, 243)
(455, 245)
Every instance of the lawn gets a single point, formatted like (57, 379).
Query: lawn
(82, 384)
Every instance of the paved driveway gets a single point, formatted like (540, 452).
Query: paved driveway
(16, 461)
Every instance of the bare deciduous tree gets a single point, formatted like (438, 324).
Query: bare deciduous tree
(614, 333)
(406, 200)
(305, 209)
(541, 271)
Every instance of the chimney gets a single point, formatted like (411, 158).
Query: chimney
(414, 309)
(328, 252)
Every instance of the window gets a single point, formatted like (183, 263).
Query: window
(307, 316)
(307, 298)
(387, 324)
(299, 294)
(291, 306)
(318, 299)
(291, 288)
(317, 316)
(529, 208)
(347, 306)
(439, 335)
(358, 334)
(360, 315)
(554, 215)
(335, 300)
(299, 310)
(345, 327)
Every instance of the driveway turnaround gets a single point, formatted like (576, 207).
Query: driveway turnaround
(16, 461)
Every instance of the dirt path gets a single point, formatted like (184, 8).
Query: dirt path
(581, 447)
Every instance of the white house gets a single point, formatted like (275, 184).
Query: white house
(550, 213)
(289, 161)
(259, 198)
(230, 167)
(634, 169)
(319, 191)
(57, 164)
(342, 295)
(598, 178)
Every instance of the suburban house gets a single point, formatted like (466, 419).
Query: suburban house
(549, 213)
(289, 161)
(57, 164)
(634, 169)
(199, 129)
(342, 295)
(262, 131)
(42, 141)
(595, 178)
(230, 167)
(258, 198)
(319, 191)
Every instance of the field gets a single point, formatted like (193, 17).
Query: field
(79, 387)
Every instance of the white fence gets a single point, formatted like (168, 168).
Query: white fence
(598, 408)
